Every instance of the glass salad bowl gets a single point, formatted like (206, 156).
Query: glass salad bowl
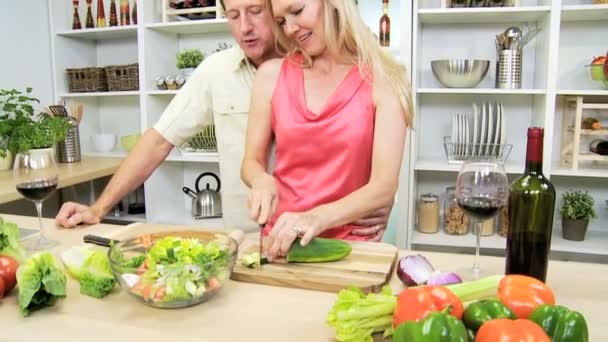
(173, 269)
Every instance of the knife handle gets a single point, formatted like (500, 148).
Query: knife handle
(98, 240)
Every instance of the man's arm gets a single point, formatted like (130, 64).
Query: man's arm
(146, 156)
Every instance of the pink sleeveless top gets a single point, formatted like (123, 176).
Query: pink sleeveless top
(321, 157)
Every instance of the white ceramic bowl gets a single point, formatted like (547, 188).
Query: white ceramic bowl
(103, 142)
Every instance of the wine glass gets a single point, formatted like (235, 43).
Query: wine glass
(482, 189)
(35, 173)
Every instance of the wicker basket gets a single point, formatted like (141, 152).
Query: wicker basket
(123, 77)
(87, 80)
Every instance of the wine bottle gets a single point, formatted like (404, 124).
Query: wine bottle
(531, 204)
(599, 146)
(385, 26)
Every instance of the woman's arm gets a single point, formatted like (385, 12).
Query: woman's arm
(388, 145)
(263, 196)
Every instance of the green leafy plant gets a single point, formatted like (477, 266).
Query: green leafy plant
(189, 58)
(20, 130)
(577, 205)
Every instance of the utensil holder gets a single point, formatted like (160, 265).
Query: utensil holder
(68, 150)
(508, 69)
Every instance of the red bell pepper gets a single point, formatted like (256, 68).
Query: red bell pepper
(415, 303)
(523, 294)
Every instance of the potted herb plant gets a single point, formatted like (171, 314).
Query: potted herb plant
(576, 210)
(21, 131)
(188, 60)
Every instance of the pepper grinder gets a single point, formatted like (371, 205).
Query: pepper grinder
(113, 15)
(76, 25)
(89, 21)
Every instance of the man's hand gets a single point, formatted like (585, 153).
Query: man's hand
(373, 225)
(72, 214)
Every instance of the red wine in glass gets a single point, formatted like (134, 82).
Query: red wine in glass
(37, 190)
(481, 208)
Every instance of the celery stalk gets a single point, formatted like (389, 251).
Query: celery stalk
(476, 290)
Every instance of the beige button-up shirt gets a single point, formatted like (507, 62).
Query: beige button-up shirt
(217, 92)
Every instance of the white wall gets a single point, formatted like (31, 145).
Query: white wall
(25, 60)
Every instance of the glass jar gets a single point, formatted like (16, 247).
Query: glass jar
(487, 227)
(428, 214)
(503, 221)
(456, 222)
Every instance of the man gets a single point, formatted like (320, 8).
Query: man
(218, 92)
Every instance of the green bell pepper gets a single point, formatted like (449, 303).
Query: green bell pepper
(478, 313)
(560, 323)
(436, 327)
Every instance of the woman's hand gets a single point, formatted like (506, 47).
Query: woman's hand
(288, 227)
(263, 198)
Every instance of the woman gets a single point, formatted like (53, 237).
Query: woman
(338, 108)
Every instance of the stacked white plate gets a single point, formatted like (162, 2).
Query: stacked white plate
(485, 137)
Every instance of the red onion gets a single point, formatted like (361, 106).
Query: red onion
(443, 278)
(414, 270)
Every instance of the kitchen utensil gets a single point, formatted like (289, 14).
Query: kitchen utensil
(206, 203)
(503, 127)
(513, 35)
(460, 73)
(501, 41)
(527, 36)
(58, 110)
(369, 267)
(216, 273)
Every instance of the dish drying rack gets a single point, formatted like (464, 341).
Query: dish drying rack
(458, 153)
(201, 143)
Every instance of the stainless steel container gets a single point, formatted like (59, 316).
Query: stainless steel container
(508, 69)
(68, 150)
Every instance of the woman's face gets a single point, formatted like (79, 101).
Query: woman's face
(303, 22)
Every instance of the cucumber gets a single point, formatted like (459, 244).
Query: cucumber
(319, 250)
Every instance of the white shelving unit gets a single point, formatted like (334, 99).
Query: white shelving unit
(553, 66)
(153, 44)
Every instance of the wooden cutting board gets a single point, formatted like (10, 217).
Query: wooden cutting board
(369, 267)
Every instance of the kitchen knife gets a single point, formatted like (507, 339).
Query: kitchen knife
(99, 240)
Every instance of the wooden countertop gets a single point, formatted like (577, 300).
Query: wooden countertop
(69, 174)
(252, 312)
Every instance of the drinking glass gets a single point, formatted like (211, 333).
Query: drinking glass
(482, 189)
(35, 174)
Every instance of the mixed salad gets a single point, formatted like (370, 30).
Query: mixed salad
(177, 269)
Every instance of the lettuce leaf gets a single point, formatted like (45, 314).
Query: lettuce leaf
(92, 269)
(41, 282)
(9, 241)
(356, 316)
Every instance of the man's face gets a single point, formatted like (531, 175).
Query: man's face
(250, 24)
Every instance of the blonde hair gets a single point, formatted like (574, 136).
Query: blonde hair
(345, 32)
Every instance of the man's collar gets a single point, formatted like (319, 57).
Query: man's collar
(240, 60)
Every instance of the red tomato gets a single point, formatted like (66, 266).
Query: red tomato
(1, 288)
(8, 271)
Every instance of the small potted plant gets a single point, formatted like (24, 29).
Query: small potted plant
(576, 210)
(188, 60)
(20, 131)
